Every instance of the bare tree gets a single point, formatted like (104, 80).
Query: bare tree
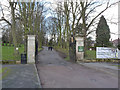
(80, 16)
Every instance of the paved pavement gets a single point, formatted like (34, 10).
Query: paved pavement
(20, 76)
(55, 72)
(109, 68)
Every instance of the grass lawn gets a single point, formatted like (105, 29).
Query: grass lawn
(90, 54)
(8, 53)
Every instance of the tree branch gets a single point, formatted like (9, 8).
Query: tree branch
(3, 19)
(108, 6)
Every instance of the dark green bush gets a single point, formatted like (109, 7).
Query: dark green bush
(9, 62)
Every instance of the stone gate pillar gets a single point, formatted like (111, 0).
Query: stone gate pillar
(79, 48)
(31, 49)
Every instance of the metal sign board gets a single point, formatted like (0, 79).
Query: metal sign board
(106, 52)
(80, 48)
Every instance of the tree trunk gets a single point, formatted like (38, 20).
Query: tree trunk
(13, 27)
(84, 26)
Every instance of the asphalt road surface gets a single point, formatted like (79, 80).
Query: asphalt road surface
(55, 72)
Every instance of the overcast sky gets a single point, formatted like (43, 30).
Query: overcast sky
(111, 15)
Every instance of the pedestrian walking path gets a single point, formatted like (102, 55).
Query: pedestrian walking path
(55, 72)
(20, 76)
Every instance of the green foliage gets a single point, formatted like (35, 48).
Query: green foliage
(102, 33)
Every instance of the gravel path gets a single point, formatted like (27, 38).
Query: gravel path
(55, 72)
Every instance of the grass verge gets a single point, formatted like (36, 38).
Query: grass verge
(64, 53)
(40, 49)
(116, 66)
(5, 72)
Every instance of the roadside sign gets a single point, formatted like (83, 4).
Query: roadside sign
(106, 52)
(80, 48)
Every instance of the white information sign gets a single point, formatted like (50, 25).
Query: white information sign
(106, 52)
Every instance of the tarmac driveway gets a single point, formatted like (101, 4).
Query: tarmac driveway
(20, 76)
(55, 72)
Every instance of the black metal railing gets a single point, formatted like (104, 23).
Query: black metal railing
(36, 51)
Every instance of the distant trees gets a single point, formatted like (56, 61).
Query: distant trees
(52, 29)
(102, 33)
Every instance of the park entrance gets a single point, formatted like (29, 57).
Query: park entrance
(76, 49)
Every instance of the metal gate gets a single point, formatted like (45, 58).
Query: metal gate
(36, 50)
(72, 49)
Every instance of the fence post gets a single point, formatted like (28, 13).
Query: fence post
(31, 49)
